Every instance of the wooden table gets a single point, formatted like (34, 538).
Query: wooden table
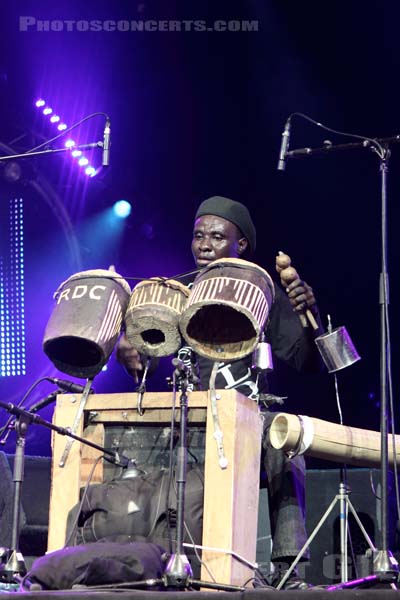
(230, 495)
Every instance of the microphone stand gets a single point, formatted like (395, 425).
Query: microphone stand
(385, 566)
(98, 144)
(15, 565)
(178, 572)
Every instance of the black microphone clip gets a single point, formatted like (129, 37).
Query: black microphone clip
(68, 386)
(182, 369)
(45, 401)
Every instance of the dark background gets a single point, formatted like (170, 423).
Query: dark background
(195, 114)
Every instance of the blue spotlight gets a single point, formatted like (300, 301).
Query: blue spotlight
(122, 209)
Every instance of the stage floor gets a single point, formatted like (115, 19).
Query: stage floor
(257, 594)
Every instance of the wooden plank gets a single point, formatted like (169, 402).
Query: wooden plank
(94, 433)
(196, 415)
(151, 400)
(231, 494)
(65, 481)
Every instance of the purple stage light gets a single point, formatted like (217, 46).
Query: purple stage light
(61, 126)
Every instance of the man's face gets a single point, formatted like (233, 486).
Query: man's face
(215, 238)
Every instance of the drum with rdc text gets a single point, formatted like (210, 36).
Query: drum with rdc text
(86, 321)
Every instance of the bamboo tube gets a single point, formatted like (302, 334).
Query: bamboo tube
(330, 441)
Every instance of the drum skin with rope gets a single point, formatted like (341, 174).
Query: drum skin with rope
(86, 321)
(152, 316)
(227, 309)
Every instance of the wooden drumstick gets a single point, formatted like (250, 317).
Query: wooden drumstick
(288, 274)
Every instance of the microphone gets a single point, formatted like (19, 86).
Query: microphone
(284, 145)
(185, 368)
(67, 386)
(181, 366)
(105, 161)
(45, 402)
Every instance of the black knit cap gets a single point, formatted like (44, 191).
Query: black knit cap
(232, 211)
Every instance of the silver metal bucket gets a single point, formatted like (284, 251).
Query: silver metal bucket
(337, 349)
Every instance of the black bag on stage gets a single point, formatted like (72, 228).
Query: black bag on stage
(122, 532)
(134, 509)
(97, 564)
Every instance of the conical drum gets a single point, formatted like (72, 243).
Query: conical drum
(86, 321)
(227, 309)
(152, 317)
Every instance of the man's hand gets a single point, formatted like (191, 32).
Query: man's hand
(301, 295)
(129, 357)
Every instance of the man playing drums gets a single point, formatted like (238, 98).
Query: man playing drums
(224, 229)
